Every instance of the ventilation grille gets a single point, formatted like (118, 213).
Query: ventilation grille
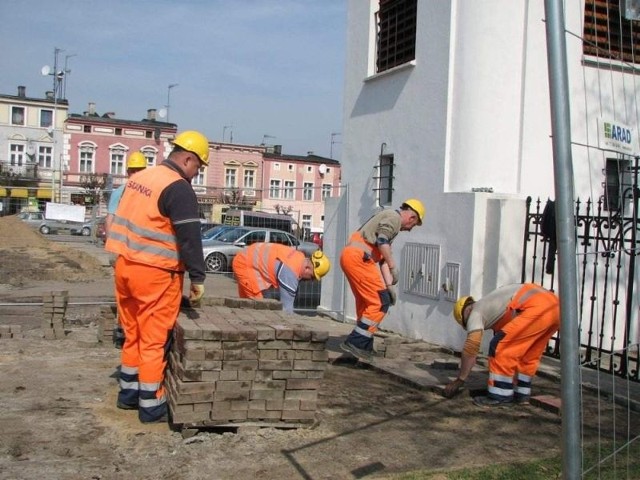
(420, 269)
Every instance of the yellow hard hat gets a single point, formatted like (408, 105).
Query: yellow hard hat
(417, 206)
(459, 307)
(136, 160)
(194, 142)
(321, 264)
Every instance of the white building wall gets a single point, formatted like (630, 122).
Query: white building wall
(472, 111)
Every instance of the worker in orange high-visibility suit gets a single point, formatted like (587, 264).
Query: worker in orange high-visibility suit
(369, 265)
(156, 235)
(262, 267)
(523, 318)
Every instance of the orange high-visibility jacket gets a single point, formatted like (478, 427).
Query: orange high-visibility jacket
(259, 264)
(144, 235)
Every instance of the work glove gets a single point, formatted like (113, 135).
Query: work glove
(196, 292)
(453, 388)
(393, 293)
(395, 275)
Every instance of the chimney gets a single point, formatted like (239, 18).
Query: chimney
(92, 108)
(49, 94)
(309, 153)
(22, 91)
(151, 114)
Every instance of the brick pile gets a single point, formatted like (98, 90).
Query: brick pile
(244, 365)
(107, 323)
(54, 308)
(11, 331)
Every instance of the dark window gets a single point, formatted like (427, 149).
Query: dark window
(148, 134)
(617, 185)
(608, 34)
(17, 115)
(396, 36)
(385, 180)
(46, 118)
(118, 131)
(86, 129)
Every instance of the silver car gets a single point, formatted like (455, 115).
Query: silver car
(74, 228)
(31, 218)
(219, 253)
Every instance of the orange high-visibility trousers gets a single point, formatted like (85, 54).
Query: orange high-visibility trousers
(148, 301)
(531, 319)
(367, 285)
(245, 277)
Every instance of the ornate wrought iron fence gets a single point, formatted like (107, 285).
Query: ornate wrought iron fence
(608, 244)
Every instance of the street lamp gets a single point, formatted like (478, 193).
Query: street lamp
(168, 105)
(58, 76)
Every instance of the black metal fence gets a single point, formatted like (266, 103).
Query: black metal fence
(607, 244)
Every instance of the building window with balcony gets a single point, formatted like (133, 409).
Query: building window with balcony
(326, 191)
(150, 154)
(249, 179)
(45, 156)
(385, 180)
(288, 190)
(86, 158)
(117, 162)
(307, 191)
(46, 118)
(274, 189)
(230, 177)
(16, 154)
(396, 33)
(17, 115)
(199, 178)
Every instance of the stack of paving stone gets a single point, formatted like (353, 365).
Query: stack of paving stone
(108, 323)
(54, 308)
(239, 366)
(11, 331)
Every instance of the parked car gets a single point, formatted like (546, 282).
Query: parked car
(219, 253)
(74, 228)
(214, 233)
(31, 218)
(207, 226)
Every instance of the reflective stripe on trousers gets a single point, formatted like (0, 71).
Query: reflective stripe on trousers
(530, 320)
(148, 301)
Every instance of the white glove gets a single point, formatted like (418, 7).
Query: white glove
(393, 294)
(395, 275)
(196, 292)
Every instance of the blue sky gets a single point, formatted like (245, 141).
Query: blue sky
(264, 67)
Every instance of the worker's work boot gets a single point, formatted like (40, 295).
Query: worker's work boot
(492, 402)
(356, 352)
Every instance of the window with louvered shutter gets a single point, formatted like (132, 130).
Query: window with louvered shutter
(608, 34)
(396, 34)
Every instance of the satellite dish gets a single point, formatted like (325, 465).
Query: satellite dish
(162, 112)
(322, 169)
(46, 70)
(50, 130)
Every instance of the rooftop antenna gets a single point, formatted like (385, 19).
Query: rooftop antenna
(333, 135)
(66, 71)
(224, 131)
(264, 138)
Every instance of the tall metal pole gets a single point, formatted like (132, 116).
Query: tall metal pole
(169, 98)
(565, 227)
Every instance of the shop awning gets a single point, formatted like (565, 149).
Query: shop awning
(43, 193)
(3, 192)
(19, 193)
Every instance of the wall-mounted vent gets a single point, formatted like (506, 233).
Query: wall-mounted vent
(451, 281)
(420, 269)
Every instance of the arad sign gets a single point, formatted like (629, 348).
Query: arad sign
(617, 137)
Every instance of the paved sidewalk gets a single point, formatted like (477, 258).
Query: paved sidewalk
(418, 363)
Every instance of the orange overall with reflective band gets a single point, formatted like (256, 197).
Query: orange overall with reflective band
(359, 262)
(255, 267)
(521, 336)
(149, 281)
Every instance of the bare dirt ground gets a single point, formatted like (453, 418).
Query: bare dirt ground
(59, 421)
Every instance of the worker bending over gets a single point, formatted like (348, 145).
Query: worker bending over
(272, 270)
(370, 267)
(523, 318)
